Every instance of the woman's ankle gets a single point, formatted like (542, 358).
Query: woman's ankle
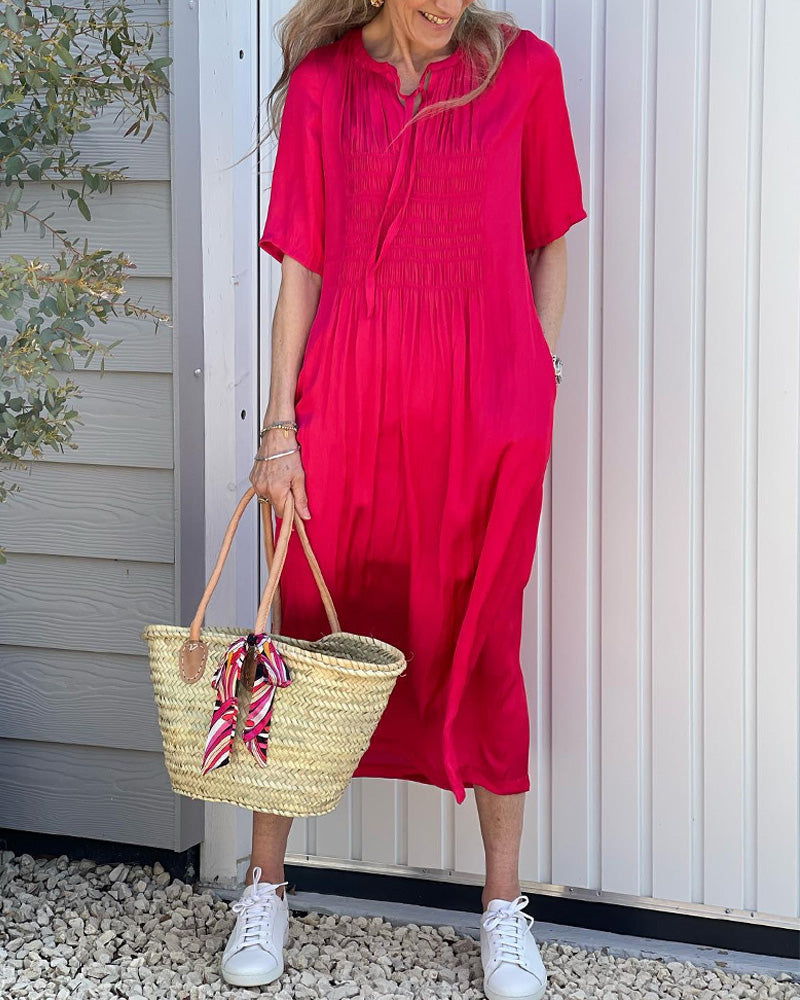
(268, 875)
(506, 891)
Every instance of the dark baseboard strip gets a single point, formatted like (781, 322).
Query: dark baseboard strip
(184, 865)
(689, 929)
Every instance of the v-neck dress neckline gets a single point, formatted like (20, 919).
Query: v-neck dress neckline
(389, 70)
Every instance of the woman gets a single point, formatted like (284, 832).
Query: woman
(424, 179)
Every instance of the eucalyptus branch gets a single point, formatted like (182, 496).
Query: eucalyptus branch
(57, 234)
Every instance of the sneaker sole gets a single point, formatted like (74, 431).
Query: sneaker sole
(491, 995)
(254, 978)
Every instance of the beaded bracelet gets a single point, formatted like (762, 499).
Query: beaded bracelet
(287, 425)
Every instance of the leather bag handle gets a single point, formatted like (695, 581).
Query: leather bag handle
(275, 561)
(269, 550)
(193, 653)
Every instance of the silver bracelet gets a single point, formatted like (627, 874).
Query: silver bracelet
(280, 454)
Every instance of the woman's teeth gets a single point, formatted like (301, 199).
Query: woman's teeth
(433, 18)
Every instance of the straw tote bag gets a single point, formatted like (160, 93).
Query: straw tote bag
(259, 719)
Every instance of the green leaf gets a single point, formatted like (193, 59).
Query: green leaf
(83, 208)
(13, 166)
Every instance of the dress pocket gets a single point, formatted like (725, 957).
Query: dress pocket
(547, 354)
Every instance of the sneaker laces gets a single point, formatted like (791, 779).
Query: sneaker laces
(510, 930)
(255, 908)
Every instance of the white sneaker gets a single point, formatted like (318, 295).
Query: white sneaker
(512, 966)
(253, 955)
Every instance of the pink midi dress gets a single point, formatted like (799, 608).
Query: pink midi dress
(425, 398)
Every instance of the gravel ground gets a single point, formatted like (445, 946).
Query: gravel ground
(74, 930)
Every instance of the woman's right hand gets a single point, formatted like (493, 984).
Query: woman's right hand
(274, 479)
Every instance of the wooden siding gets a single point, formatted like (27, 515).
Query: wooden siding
(93, 510)
(59, 690)
(86, 791)
(133, 218)
(127, 420)
(92, 544)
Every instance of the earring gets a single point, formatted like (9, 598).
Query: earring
(376, 3)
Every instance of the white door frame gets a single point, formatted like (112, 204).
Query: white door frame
(228, 80)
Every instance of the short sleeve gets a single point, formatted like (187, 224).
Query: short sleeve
(296, 213)
(552, 199)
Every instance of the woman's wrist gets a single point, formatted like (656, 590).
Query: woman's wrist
(279, 412)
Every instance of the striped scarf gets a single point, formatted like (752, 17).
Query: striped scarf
(270, 674)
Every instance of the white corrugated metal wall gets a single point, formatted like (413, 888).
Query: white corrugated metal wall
(661, 638)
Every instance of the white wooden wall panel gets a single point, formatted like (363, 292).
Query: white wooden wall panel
(775, 868)
(562, 831)
(624, 534)
(660, 642)
(725, 341)
(468, 853)
(674, 357)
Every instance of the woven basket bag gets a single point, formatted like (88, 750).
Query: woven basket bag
(322, 721)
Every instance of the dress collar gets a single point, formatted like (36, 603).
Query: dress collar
(359, 51)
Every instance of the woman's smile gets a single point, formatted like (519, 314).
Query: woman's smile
(435, 20)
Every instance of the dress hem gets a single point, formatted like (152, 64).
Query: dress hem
(523, 785)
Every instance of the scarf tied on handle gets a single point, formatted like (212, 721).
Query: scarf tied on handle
(270, 674)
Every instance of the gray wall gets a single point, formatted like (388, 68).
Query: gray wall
(92, 545)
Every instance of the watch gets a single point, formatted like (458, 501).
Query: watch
(557, 367)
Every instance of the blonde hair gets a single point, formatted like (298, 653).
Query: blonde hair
(483, 34)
